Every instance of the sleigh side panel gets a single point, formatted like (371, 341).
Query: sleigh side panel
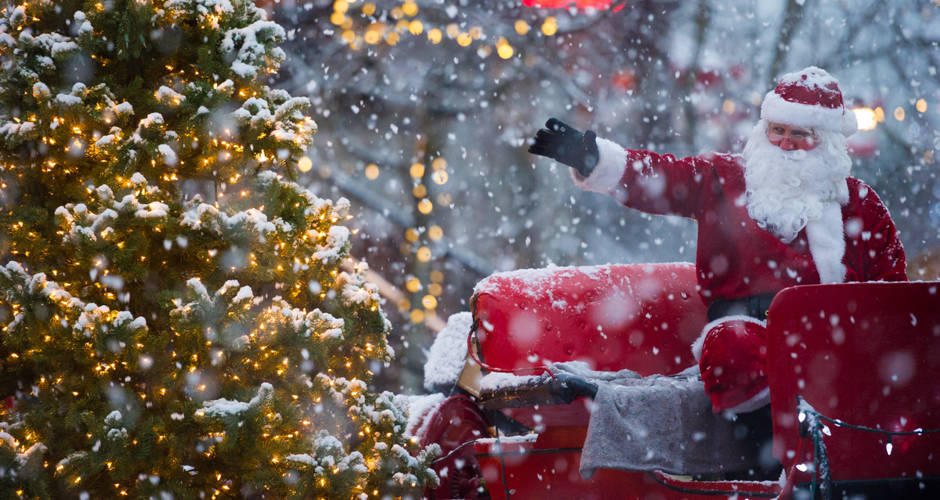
(547, 467)
(867, 354)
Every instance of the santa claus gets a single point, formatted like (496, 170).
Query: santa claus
(783, 213)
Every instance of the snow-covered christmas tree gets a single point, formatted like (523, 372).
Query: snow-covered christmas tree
(176, 319)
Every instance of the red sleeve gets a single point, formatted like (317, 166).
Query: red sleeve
(879, 252)
(663, 184)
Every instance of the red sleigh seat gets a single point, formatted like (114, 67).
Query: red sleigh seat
(866, 353)
(643, 317)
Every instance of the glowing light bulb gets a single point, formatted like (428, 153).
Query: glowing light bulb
(424, 254)
(899, 114)
(550, 26)
(503, 49)
(425, 206)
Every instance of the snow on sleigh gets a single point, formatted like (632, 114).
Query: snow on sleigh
(853, 371)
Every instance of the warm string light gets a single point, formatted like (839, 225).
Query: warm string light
(401, 21)
(422, 251)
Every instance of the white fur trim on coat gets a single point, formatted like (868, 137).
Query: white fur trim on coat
(826, 237)
(611, 162)
(777, 109)
(700, 341)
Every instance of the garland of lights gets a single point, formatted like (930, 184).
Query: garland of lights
(811, 423)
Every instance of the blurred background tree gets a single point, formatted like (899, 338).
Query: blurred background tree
(180, 318)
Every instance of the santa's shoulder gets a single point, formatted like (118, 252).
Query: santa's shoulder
(864, 199)
(860, 191)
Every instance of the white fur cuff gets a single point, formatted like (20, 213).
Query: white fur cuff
(756, 401)
(700, 341)
(612, 160)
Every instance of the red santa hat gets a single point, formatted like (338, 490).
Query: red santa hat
(809, 98)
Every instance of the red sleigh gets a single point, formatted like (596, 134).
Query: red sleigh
(853, 371)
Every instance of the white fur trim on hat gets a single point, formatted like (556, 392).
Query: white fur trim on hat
(778, 110)
(611, 162)
(700, 341)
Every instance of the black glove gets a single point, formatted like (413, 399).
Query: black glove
(568, 387)
(562, 143)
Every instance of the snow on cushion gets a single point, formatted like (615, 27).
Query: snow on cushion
(641, 317)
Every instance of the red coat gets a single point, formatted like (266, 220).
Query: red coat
(736, 258)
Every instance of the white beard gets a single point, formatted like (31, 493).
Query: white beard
(788, 189)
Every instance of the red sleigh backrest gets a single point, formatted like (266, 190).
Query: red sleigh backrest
(864, 353)
(642, 317)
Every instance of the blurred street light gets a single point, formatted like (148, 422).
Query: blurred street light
(866, 117)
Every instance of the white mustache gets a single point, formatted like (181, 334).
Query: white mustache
(794, 155)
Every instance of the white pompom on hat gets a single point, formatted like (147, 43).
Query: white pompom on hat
(809, 98)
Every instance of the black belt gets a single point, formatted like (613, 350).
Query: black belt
(754, 306)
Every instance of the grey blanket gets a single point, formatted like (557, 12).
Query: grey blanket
(658, 423)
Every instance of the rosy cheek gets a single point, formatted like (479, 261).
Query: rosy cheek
(806, 144)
